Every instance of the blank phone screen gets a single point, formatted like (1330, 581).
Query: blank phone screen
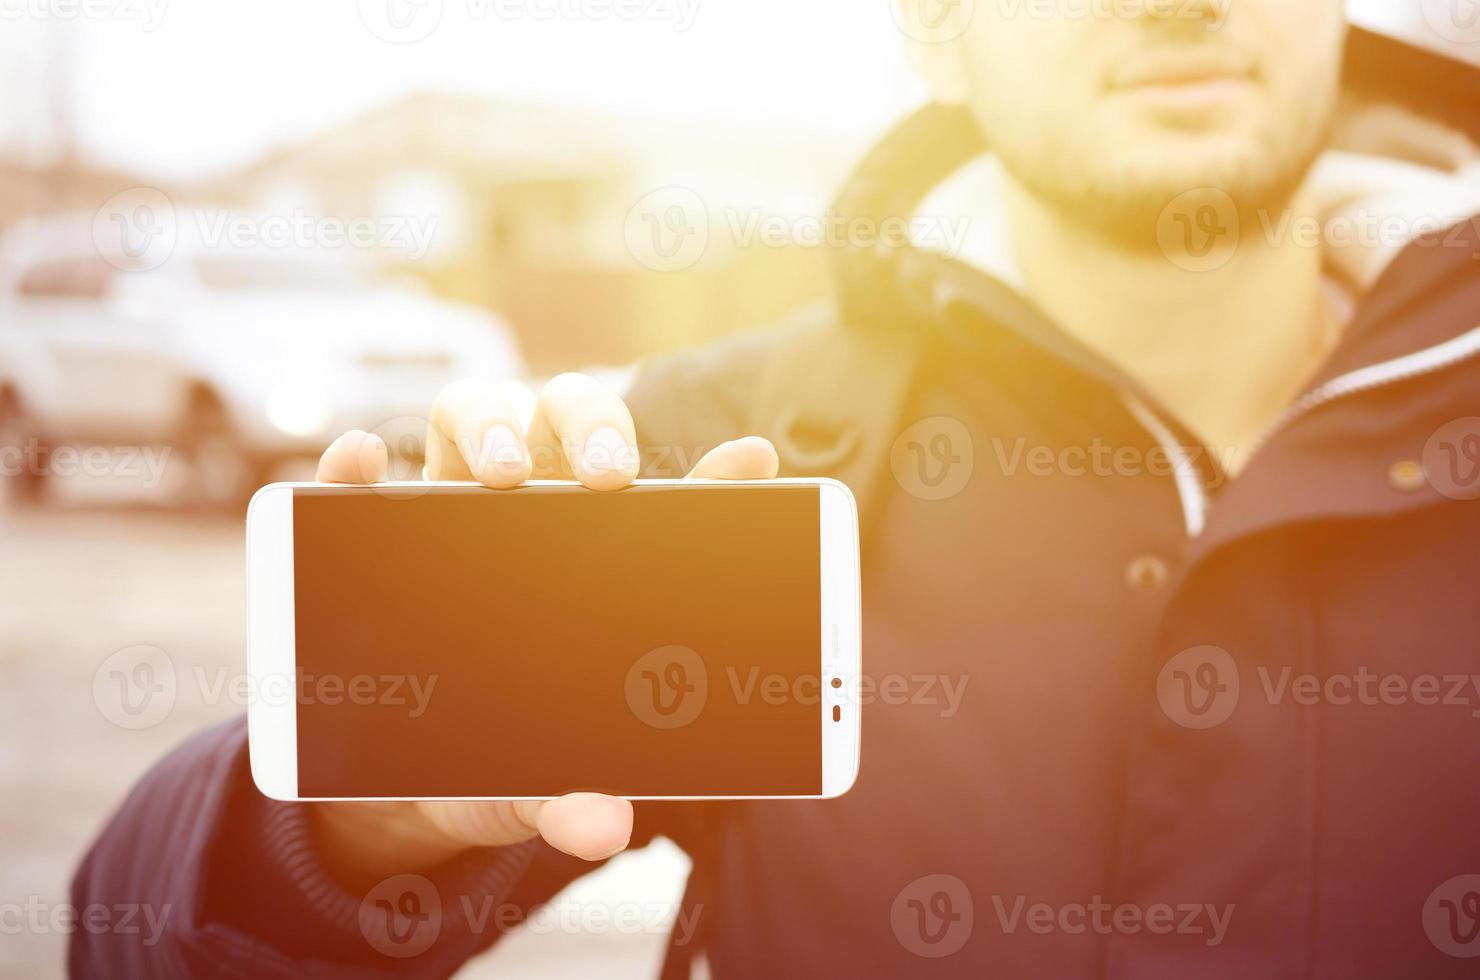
(657, 641)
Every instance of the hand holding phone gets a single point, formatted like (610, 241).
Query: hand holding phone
(580, 430)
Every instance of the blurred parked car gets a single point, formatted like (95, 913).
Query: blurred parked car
(238, 359)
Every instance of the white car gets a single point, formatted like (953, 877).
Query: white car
(234, 359)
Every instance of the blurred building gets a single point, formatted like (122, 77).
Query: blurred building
(532, 206)
(31, 190)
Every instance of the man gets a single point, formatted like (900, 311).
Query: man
(1173, 517)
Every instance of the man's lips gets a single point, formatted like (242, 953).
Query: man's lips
(1172, 71)
(1183, 82)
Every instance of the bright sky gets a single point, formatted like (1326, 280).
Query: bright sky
(176, 88)
(213, 83)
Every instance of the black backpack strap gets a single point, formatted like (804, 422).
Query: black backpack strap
(887, 186)
(831, 400)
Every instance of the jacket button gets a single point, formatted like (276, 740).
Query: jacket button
(1146, 573)
(1406, 475)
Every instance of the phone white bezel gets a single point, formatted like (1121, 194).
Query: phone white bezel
(271, 649)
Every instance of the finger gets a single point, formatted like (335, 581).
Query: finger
(474, 434)
(355, 457)
(581, 429)
(750, 458)
(586, 825)
(495, 823)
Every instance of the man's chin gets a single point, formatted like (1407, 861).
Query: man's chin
(1125, 192)
(1160, 159)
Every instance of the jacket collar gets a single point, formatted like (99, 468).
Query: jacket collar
(1419, 299)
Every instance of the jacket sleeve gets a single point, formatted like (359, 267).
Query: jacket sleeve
(228, 883)
(222, 881)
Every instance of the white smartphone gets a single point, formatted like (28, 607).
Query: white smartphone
(673, 640)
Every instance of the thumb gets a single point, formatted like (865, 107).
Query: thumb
(750, 458)
(585, 825)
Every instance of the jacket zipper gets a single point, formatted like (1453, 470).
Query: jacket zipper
(1188, 477)
(1415, 365)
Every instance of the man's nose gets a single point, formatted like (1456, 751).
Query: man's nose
(1187, 15)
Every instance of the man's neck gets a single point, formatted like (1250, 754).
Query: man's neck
(1226, 350)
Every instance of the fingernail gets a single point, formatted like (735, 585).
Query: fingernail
(502, 454)
(343, 440)
(606, 451)
(372, 456)
(611, 853)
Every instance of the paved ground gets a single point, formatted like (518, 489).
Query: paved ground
(82, 581)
